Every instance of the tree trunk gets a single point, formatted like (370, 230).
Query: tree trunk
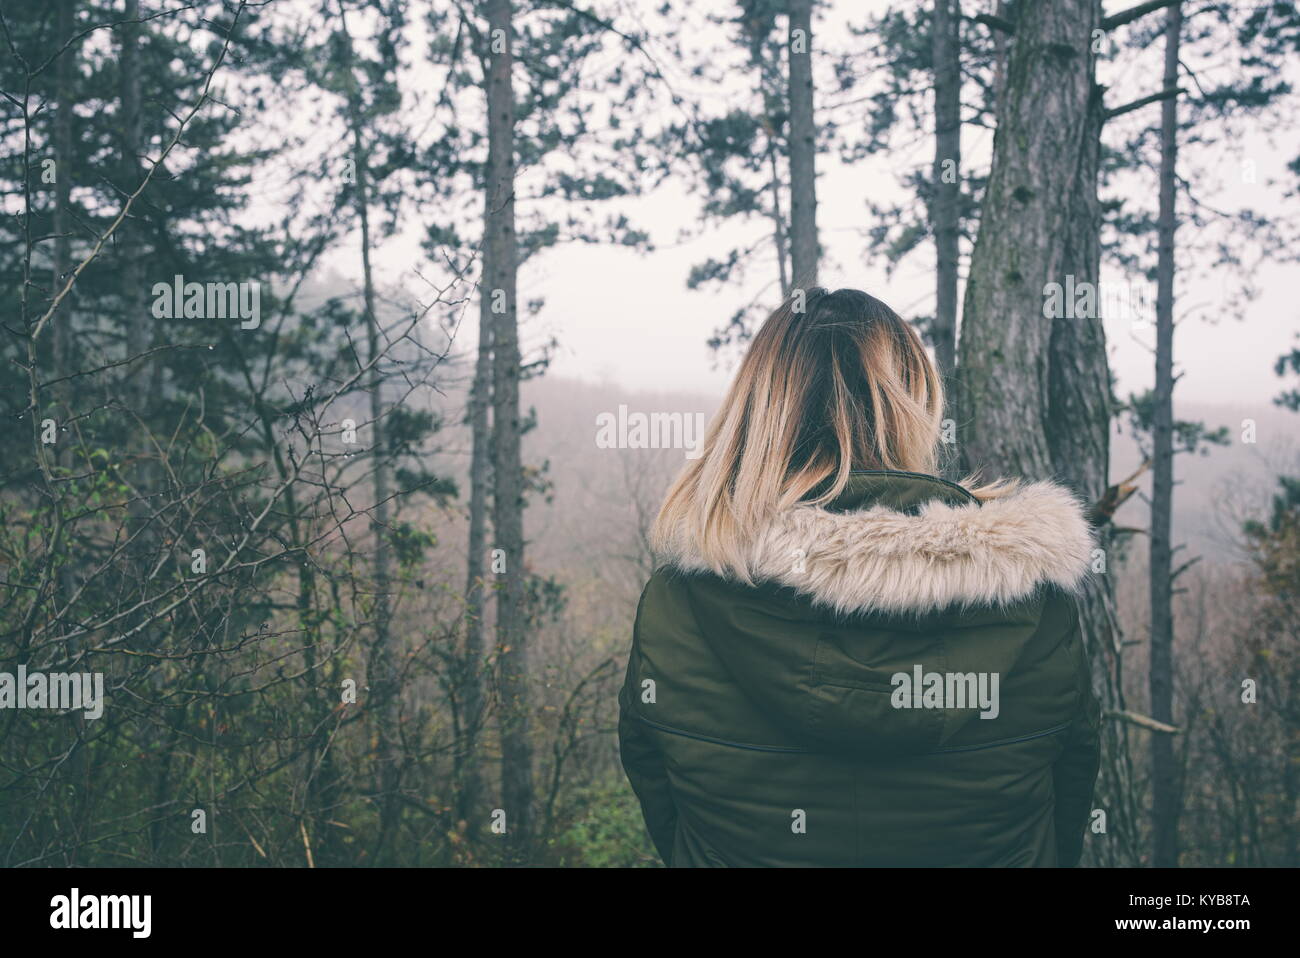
(384, 679)
(1033, 394)
(507, 514)
(384, 684)
(945, 211)
(470, 777)
(1078, 435)
(1040, 153)
(137, 316)
(64, 69)
(803, 149)
(385, 687)
(62, 337)
(1164, 771)
(61, 333)
(138, 333)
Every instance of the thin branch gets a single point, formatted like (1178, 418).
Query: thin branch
(1184, 567)
(1138, 104)
(1134, 12)
(1143, 721)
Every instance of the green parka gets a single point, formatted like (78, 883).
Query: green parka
(903, 684)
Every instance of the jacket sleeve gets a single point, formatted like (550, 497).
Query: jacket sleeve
(644, 764)
(1075, 772)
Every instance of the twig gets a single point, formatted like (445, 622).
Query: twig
(1143, 721)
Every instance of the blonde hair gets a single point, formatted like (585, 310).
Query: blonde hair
(833, 382)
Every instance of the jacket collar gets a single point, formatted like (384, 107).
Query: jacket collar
(896, 542)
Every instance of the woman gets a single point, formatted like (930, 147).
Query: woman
(845, 660)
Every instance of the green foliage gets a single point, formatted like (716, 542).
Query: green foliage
(1189, 436)
(1289, 363)
(604, 829)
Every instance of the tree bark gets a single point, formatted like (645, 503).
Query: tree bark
(946, 180)
(1033, 393)
(1078, 397)
(1040, 154)
(507, 513)
(1165, 804)
(804, 251)
(1001, 44)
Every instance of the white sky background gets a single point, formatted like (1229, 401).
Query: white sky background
(628, 318)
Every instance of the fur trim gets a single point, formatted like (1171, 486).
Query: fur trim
(881, 560)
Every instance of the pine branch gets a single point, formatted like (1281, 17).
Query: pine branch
(1138, 104)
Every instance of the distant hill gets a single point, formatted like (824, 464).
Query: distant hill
(600, 501)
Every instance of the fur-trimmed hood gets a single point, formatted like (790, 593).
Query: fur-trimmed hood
(964, 737)
(900, 542)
